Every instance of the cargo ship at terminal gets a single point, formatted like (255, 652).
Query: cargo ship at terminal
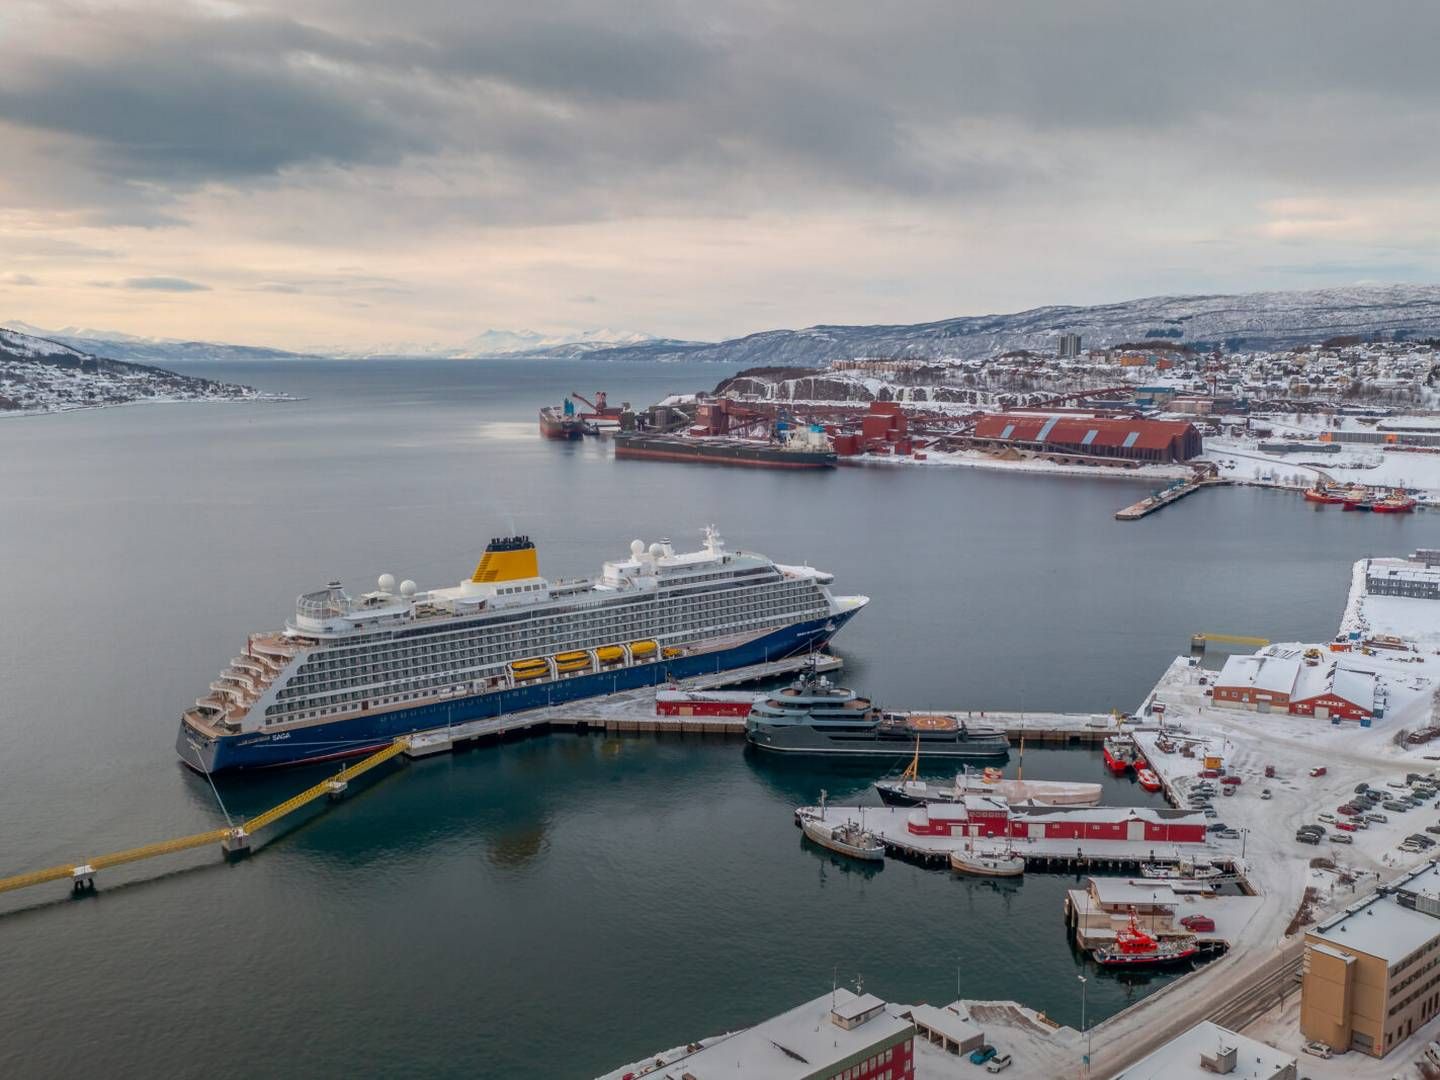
(346, 675)
(803, 449)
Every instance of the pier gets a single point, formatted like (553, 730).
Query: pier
(1172, 494)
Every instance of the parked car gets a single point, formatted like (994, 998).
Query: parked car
(1228, 834)
(1421, 839)
(1361, 787)
(1269, 772)
(1216, 826)
(982, 1055)
(1377, 817)
(1359, 823)
(1319, 770)
(1396, 783)
(1210, 774)
(1341, 838)
(1348, 808)
(1198, 923)
(1312, 828)
(1232, 781)
(1411, 777)
(1396, 805)
(1211, 812)
(1329, 819)
(1265, 793)
(1309, 837)
(1345, 825)
(1433, 829)
(1227, 791)
(1318, 1049)
(999, 1063)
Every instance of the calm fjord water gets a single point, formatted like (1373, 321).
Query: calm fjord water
(561, 904)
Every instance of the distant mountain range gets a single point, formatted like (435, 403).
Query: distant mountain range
(1249, 320)
(1260, 320)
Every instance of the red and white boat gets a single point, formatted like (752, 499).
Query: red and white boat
(1395, 503)
(1135, 948)
(1148, 780)
(1322, 494)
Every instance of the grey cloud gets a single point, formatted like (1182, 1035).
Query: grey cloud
(163, 284)
(18, 279)
(598, 109)
(275, 287)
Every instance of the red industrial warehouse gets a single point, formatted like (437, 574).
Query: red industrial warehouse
(1088, 435)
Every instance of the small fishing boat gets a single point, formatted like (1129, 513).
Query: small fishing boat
(1148, 780)
(1184, 870)
(987, 863)
(845, 838)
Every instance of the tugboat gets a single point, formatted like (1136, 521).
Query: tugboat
(1121, 754)
(846, 838)
(1135, 948)
(813, 716)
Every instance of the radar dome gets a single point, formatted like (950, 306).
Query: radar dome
(637, 548)
(386, 583)
(407, 588)
(657, 550)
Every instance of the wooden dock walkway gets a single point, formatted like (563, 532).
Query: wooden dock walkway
(1173, 494)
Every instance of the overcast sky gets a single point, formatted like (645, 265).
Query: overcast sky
(355, 172)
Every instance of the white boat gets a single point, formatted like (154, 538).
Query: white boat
(987, 863)
(844, 838)
(909, 790)
(1185, 869)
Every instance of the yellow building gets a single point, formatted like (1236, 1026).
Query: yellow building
(1371, 975)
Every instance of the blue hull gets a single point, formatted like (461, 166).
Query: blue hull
(360, 734)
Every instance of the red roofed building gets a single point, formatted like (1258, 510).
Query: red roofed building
(1086, 435)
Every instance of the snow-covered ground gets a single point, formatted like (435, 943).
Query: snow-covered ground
(1161, 475)
(39, 376)
(1242, 459)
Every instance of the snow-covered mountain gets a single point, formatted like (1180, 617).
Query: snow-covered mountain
(1248, 320)
(496, 343)
(117, 345)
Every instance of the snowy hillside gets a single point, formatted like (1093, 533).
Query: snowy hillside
(121, 346)
(37, 375)
(1250, 320)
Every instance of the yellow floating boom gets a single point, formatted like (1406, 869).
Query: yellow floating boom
(214, 836)
(1233, 639)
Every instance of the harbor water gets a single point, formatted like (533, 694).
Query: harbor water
(564, 903)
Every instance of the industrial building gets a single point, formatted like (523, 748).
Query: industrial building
(841, 1034)
(1371, 975)
(1413, 581)
(1089, 437)
(1278, 679)
(1208, 1050)
(990, 815)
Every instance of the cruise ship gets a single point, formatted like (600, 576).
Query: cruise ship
(348, 674)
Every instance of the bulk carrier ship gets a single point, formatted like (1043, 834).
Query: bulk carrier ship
(348, 674)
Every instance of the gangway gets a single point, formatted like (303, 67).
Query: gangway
(233, 840)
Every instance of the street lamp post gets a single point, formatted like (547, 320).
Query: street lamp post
(1086, 1059)
(1244, 836)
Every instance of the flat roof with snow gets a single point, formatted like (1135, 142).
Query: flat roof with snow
(1180, 1058)
(1381, 928)
(795, 1044)
(1274, 674)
